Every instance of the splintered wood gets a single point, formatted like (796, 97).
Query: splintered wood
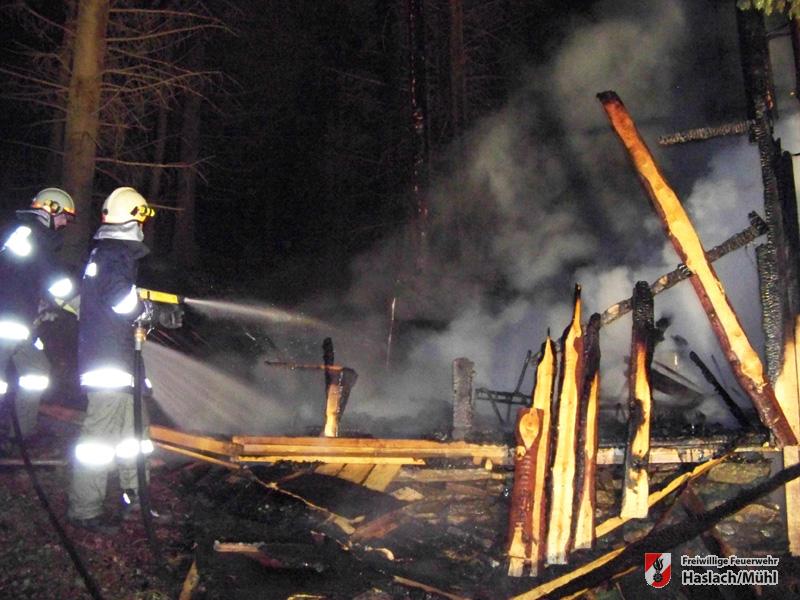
(636, 488)
(740, 353)
(562, 483)
(528, 434)
(542, 398)
(588, 440)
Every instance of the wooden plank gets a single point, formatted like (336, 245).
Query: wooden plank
(340, 442)
(343, 459)
(355, 472)
(542, 400)
(196, 442)
(640, 398)
(425, 475)
(562, 477)
(197, 455)
(330, 469)
(741, 355)
(381, 476)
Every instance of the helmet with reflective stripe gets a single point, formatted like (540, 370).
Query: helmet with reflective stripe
(124, 205)
(55, 201)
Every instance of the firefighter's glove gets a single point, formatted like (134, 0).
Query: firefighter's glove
(168, 316)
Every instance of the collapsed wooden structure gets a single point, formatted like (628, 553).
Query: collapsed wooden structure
(556, 453)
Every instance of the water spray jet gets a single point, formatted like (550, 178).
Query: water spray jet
(254, 312)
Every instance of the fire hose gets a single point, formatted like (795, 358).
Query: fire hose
(66, 542)
(142, 326)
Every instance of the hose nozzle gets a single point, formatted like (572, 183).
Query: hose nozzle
(162, 297)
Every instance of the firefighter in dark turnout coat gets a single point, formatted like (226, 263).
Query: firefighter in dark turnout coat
(33, 282)
(109, 307)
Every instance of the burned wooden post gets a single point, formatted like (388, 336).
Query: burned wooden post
(520, 515)
(463, 404)
(338, 383)
(778, 257)
(737, 348)
(587, 437)
(640, 399)
(542, 399)
(562, 481)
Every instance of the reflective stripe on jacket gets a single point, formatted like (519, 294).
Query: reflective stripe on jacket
(29, 267)
(109, 306)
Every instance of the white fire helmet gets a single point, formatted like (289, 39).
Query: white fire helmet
(124, 205)
(55, 201)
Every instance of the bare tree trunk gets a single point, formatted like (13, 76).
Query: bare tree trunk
(458, 60)
(185, 246)
(54, 163)
(154, 188)
(83, 120)
(419, 123)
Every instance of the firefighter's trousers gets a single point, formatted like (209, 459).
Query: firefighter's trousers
(33, 373)
(107, 428)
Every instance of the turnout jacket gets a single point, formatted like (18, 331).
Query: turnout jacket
(28, 267)
(109, 307)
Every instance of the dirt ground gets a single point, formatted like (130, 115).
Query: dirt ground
(449, 535)
(33, 564)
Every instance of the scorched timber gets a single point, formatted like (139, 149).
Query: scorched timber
(757, 228)
(588, 438)
(563, 470)
(528, 435)
(542, 399)
(743, 358)
(636, 488)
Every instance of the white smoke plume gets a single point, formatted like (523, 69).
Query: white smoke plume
(544, 199)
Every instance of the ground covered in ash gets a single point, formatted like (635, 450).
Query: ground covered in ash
(284, 531)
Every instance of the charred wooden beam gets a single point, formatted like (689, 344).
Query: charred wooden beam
(757, 228)
(775, 273)
(737, 348)
(723, 393)
(640, 399)
(542, 400)
(305, 367)
(756, 66)
(274, 555)
(588, 438)
(705, 133)
(562, 481)
(463, 404)
(520, 514)
(712, 540)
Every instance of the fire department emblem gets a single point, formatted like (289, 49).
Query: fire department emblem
(657, 568)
